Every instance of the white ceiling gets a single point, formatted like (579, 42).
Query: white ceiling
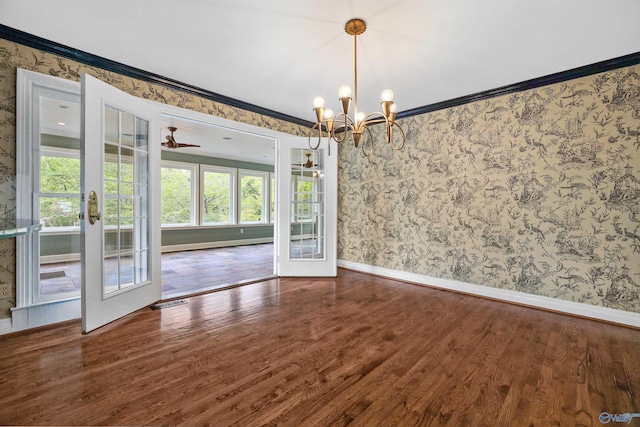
(59, 117)
(279, 54)
(62, 117)
(219, 141)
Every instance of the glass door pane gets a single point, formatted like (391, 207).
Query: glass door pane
(126, 196)
(307, 205)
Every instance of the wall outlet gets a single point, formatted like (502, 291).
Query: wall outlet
(241, 230)
(5, 290)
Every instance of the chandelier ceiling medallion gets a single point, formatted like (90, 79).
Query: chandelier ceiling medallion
(342, 126)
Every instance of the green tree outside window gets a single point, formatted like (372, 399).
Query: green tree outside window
(176, 196)
(251, 194)
(217, 197)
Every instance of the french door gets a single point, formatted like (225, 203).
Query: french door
(307, 208)
(120, 204)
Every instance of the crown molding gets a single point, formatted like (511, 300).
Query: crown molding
(49, 46)
(587, 70)
(45, 45)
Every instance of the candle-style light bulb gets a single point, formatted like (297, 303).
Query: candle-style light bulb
(344, 91)
(318, 102)
(394, 107)
(360, 117)
(387, 95)
(328, 114)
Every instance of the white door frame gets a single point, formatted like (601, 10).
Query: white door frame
(28, 312)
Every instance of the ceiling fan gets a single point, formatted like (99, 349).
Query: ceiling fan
(308, 164)
(172, 143)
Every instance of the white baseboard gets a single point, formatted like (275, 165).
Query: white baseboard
(5, 326)
(210, 245)
(52, 259)
(537, 301)
(45, 313)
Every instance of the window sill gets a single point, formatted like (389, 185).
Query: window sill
(168, 228)
(45, 232)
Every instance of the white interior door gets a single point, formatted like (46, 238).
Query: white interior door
(120, 235)
(307, 208)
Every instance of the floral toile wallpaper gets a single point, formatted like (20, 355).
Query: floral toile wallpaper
(536, 192)
(13, 56)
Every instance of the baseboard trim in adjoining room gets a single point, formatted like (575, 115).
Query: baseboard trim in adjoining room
(536, 301)
(211, 245)
(53, 259)
(5, 326)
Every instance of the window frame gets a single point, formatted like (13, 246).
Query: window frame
(194, 217)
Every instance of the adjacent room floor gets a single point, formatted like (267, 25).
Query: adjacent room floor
(183, 272)
(188, 272)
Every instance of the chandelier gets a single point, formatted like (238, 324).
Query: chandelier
(342, 126)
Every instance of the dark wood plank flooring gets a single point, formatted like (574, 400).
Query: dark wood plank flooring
(357, 349)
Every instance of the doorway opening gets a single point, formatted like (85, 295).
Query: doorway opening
(49, 267)
(218, 205)
(220, 201)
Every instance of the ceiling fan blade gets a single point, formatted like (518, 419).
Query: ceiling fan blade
(172, 143)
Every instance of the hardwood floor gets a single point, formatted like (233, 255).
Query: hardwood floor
(357, 350)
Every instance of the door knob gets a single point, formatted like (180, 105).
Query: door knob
(92, 208)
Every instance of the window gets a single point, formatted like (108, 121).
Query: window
(59, 195)
(224, 196)
(218, 194)
(253, 196)
(179, 193)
